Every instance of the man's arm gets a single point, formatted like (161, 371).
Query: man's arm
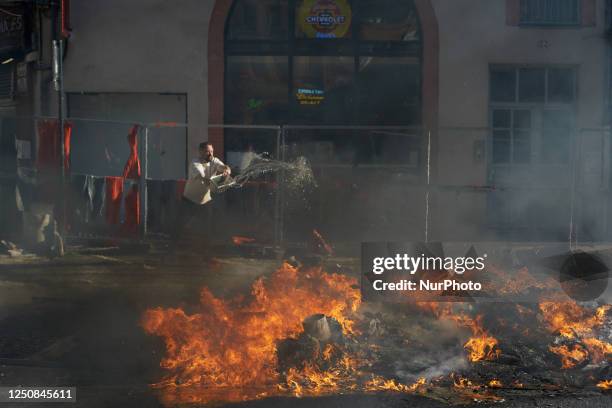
(196, 172)
(225, 169)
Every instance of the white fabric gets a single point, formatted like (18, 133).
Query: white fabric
(197, 187)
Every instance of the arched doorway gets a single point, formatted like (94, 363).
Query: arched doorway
(331, 63)
(281, 41)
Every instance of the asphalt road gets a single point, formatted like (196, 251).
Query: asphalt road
(76, 322)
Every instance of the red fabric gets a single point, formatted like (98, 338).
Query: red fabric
(132, 171)
(67, 137)
(47, 159)
(180, 187)
(65, 18)
(132, 210)
(132, 167)
(47, 155)
(114, 193)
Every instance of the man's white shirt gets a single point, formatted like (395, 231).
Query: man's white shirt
(197, 187)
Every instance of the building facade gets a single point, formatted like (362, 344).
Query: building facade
(486, 119)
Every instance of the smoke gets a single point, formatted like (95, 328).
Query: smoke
(440, 352)
(449, 362)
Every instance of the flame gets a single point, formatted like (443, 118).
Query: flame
(481, 345)
(522, 281)
(227, 350)
(233, 343)
(495, 383)
(238, 240)
(605, 384)
(461, 382)
(571, 321)
(378, 383)
(312, 381)
(599, 350)
(474, 392)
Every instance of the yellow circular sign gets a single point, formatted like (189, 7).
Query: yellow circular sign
(324, 18)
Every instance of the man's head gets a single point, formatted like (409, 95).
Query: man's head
(206, 151)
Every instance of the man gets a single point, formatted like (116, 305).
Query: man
(198, 186)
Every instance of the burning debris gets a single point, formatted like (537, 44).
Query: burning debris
(578, 339)
(296, 334)
(239, 240)
(234, 343)
(321, 244)
(481, 346)
(304, 332)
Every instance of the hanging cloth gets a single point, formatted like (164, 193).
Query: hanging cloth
(67, 138)
(132, 171)
(132, 210)
(47, 155)
(132, 167)
(49, 151)
(114, 194)
(180, 188)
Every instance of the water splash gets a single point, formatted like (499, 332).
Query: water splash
(297, 174)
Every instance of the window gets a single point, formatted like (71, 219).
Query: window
(258, 20)
(531, 114)
(550, 12)
(257, 92)
(532, 123)
(511, 136)
(388, 20)
(7, 82)
(323, 62)
(388, 90)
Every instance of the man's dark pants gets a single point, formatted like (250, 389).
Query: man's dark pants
(187, 211)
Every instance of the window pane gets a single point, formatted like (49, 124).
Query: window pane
(389, 91)
(522, 119)
(531, 85)
(560, 85)
(549, 12)
(240, 144)
(323, 89)
(501, 146)
(556, 136)
(555, 145)
(323, 19)
(522, 146)
(388, 20)
(256, 90)
(258, 20)
(556, 119)
(501, 118)
(503, 85)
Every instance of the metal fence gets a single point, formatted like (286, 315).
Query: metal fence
(372, 183)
